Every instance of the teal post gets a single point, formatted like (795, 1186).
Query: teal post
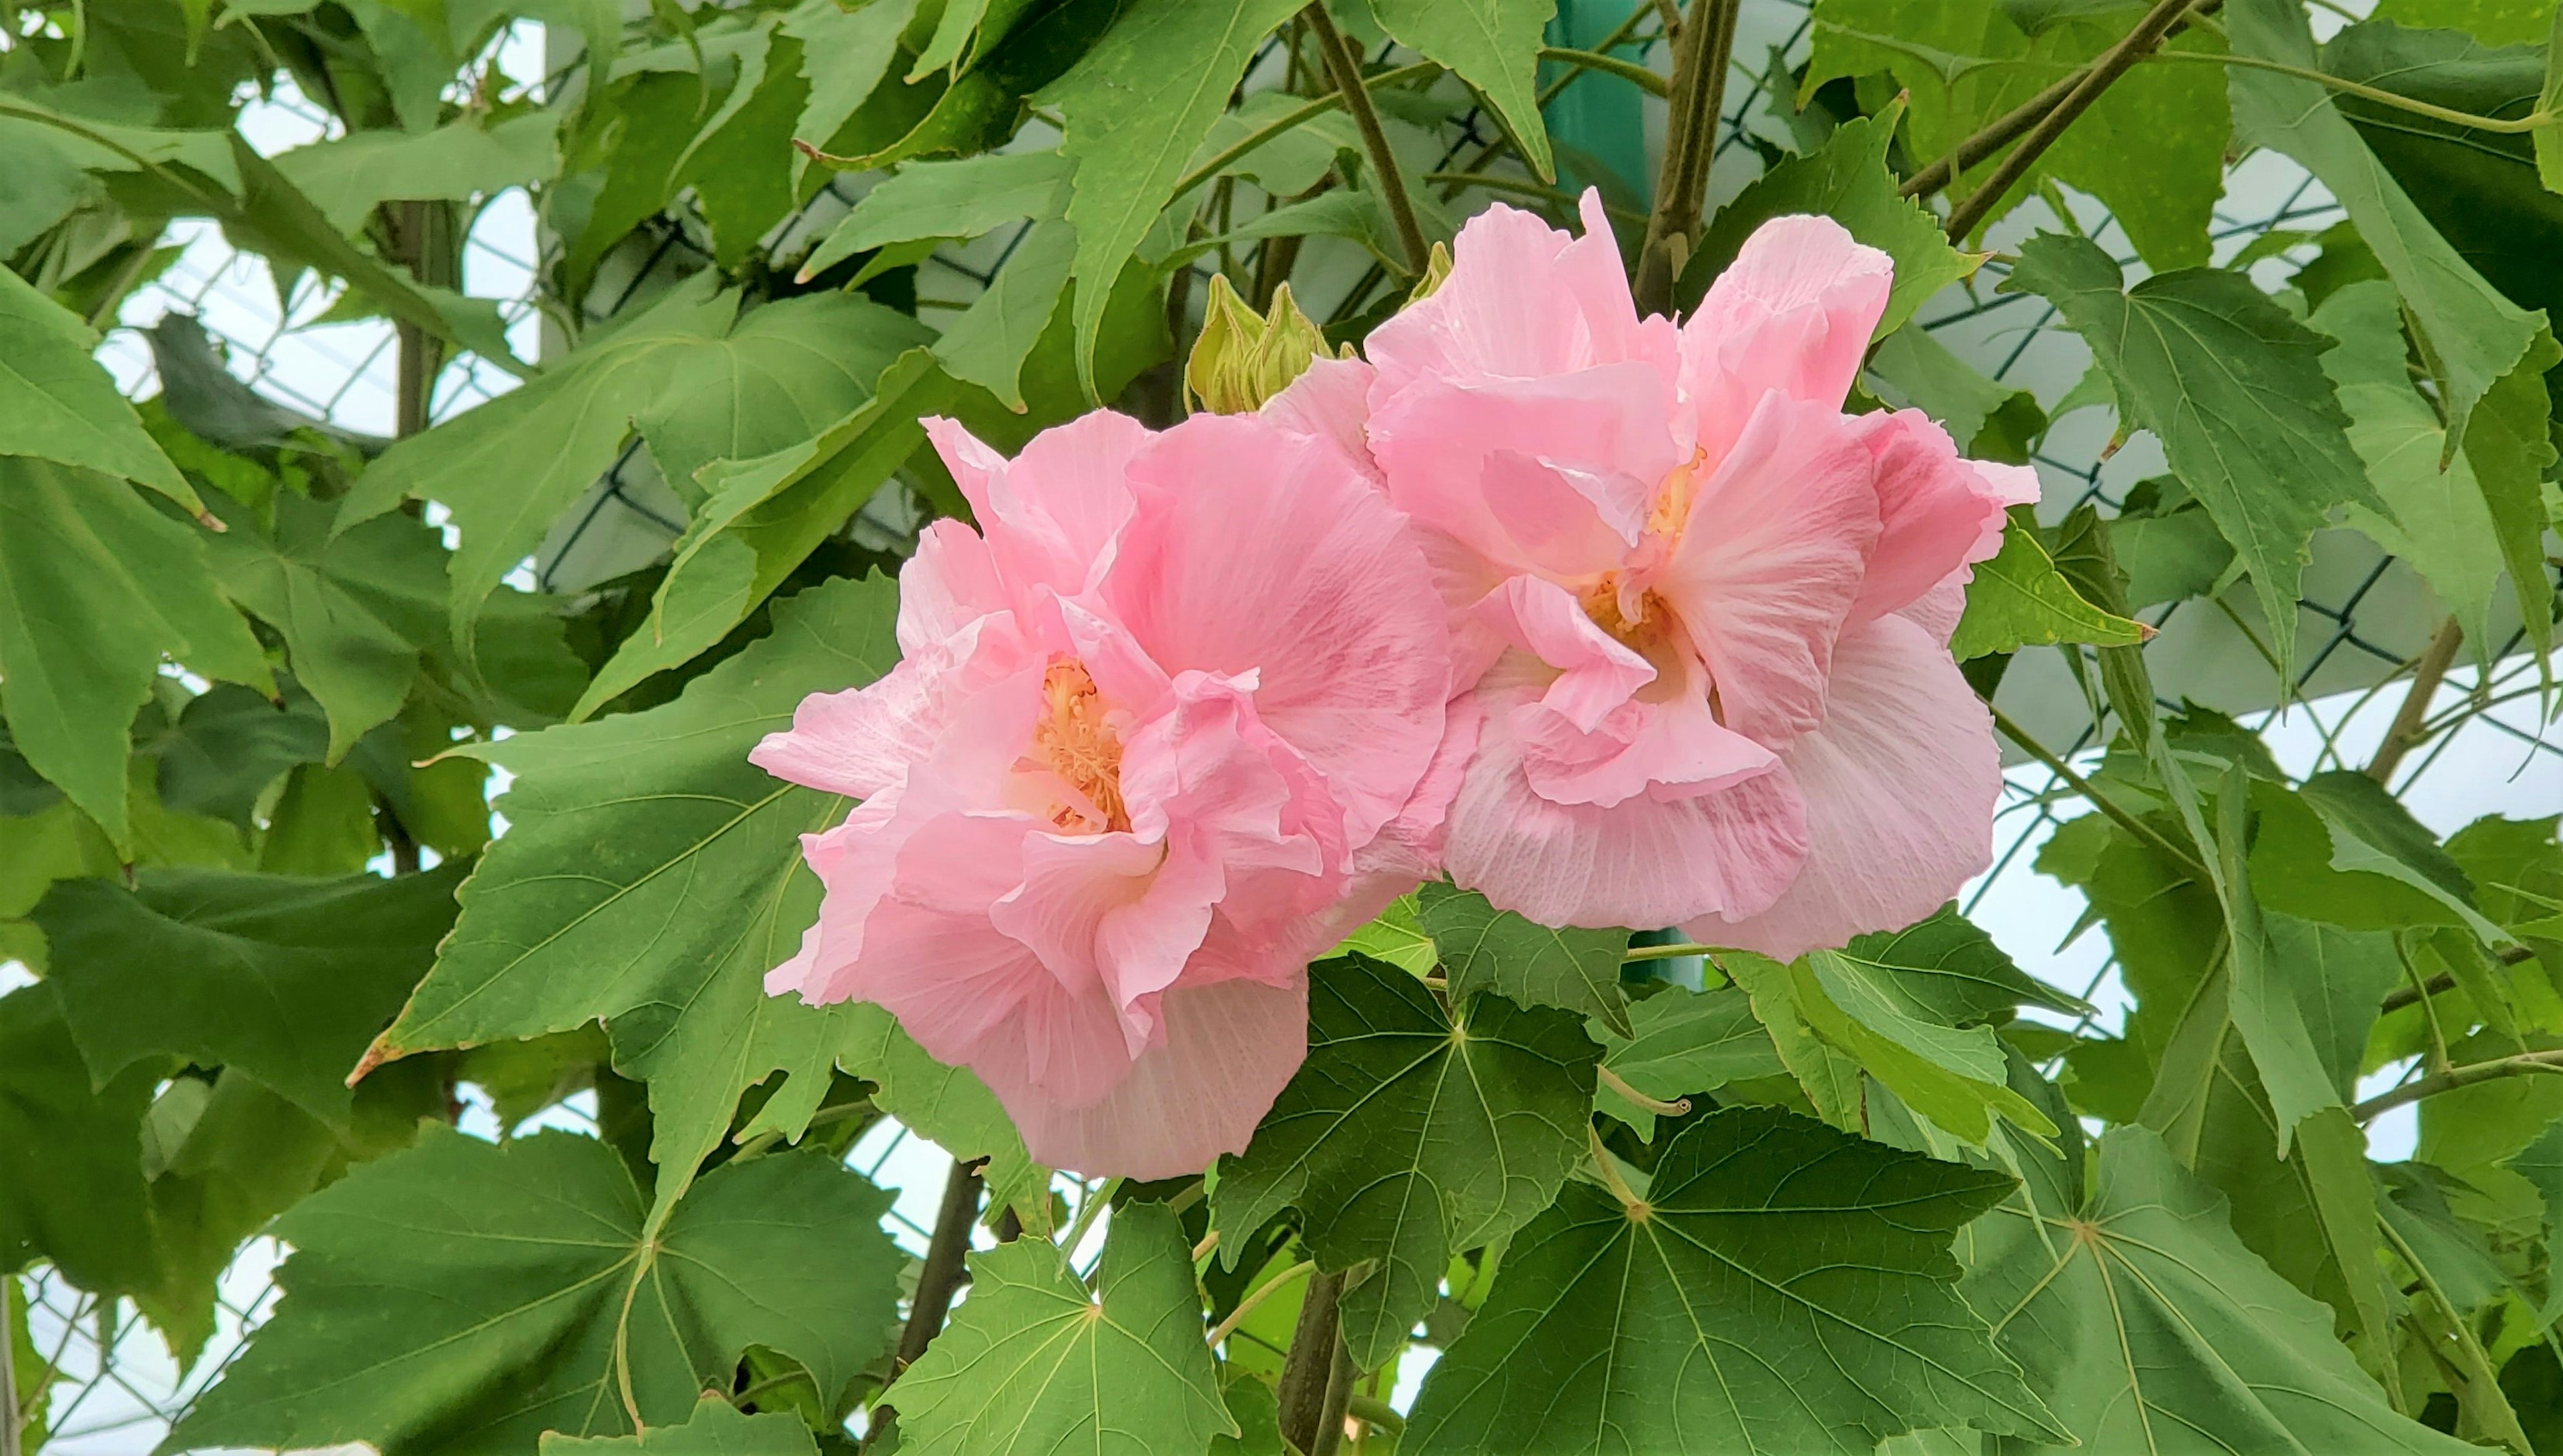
(1595, 124)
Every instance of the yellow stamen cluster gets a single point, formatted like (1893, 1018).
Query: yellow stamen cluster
(1074, 741)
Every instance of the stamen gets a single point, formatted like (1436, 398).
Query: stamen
(1074, 741)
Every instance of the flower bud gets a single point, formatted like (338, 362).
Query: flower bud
(1239, 361)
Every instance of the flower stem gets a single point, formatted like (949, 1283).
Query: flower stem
(1310, 1369)
(2504, 126)
(1658, 1106)
(1701, 54)
(1246, 1306)
(2099, 800)
(1346, 68)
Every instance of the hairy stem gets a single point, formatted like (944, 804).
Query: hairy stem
(2148, 35)
(2405, 733)
(942, 1277)
(1632, 1095)
(1628, 71)
(2526, 1063)
(1700, 55)
(1310, 1368)
(1346, 68)
(9, 1445)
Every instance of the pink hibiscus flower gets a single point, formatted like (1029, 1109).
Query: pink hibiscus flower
(1702, 613)
(1158, 737)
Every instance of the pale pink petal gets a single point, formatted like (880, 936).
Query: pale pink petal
(1770, 561)
(1937, 512)
(1899, 785)
(1331, 401)
(1937, 611)
(1409, 846)
(1596, 671)
(1581, 457)
(1793, 312)
(1261, 551)
(865, 740)
(950, 582)
(1641, 863)
(1228, 1048)
(1524, 299)
(1051, 513)
(1667, 749)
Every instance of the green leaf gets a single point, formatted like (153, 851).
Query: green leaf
(1784, 1287)
(2144, 1323)
(2235, 389)
(1953, 1078)
(1684, 1042)
(2372, 833)
(2019, 599)
(2473, 337)
(1925, 373)
(990, 340)
(461, 1296)
(1032, 1362)
(701, 382)
(1951, 970)
(1494, 45)
(2436, 520)
(1397, 936)
(957, 199)
(844, 56)
(1408, 1137)
(760, 517)
(56, 404)
(741, 164)
(1487, 949)
(284, 979)
(690, 886)
(947, 1106)
(716, 1428)
(355, 609)
(71, 1174)
(2152, 147)
(122, 584)
(2493, 22)
(2541, 1164)
(1847, 179)
(1137, 107)
(228, 745)
(1831, 1078)
(2549, 99)
(350, 176)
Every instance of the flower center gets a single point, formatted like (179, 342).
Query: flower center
(1074, 741)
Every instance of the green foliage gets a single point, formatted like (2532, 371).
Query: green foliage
(2020, 600)
(1036, 1363)
(1485, 949)
(1782, 1286)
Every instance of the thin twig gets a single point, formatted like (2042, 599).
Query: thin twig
(2526, 1063)
(2404, 733)
(2404, 995)
(1628, 71)
(1656, 1105)
(1346, 66)
(1257, 1296)
(1992, 137)
(8, 1365)
(2149, 32)
(2502, 125)
(1288, 119)
(1665, 952)
(1087, 1212)
(941, 1276)
(2099, 800)
(1525, 187)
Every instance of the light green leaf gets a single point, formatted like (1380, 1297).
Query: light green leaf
(2437, 519)
(844, 56)
(2235, 389)
(1919, 370)
(1495, 45)
(1953, 1078)
(2019, 599)
(284, 979)
(957, 199)
(1408, 1137)
(1784, 1288)
(1847, 179)
(121, 584)
(1487, 949)
(56, 404)
(947, 1106)
(1137, 107)
(1397, 936)
(760, 517)
(465, 1297)
(1286, 164)
(2492, 22)
(348, 176)
(1684, 1042)
(2372, 833)
(2145, 1325)
(1032, 1362)
(990, 340)
(716, 1428)
(2541, 1164)
(2549, 99)
(1831, 1078)
(689, 888)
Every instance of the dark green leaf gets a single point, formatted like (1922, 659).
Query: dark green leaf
(56, 404)
(348, 176)
(2235, 389)
(1487, 949)
(1784, 1287)
(957, 199)
(71, 1168)
(1954, 972)
(284, 979)
(989, 341)
(1684, 1043)
(716, 1428)
(464, 1297)
(1409, 1137)
(1032, 1363)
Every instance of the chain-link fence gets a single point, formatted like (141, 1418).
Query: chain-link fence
(2365, 618)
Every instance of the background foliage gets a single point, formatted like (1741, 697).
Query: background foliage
(1903, 1196)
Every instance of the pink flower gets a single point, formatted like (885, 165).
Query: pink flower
(1159, 736)
(1703, 612)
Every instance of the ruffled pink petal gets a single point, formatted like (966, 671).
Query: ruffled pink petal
(1051, 513)
(1596, 672)
(1260, 551)
(1670, 749)
(1937, 512)
(1408, 850)
(864, 741)
(1229, 1047)
(950, 582)
(1553, 474)
(1524, 299)
(1937, 611)
(1793, 312)
(1900, 785)
(1641, 863)
(1331, 402)
(1767, 567)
